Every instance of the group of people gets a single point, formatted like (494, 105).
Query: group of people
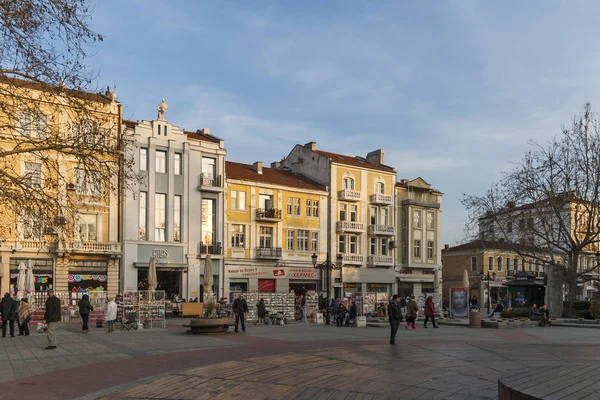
(543, 312)
(13, 311)
(412, 312)
(343, 315)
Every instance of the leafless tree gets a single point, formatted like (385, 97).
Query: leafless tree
(550, 200)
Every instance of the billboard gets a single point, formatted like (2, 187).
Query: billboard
(459, 305)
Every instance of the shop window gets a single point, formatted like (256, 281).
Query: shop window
(266, 285)
(42, 273)
(86, 276)
(169, 280)
(237, 235)
(143, 159)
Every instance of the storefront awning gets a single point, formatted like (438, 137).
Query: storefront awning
(159, 265)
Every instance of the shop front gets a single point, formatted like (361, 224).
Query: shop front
(87, 276)
(171, 270)
(43, 273)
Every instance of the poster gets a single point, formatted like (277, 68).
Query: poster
(458, 302)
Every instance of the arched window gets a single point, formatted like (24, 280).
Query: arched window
(380, 188)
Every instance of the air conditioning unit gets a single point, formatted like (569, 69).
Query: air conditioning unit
(392, 244)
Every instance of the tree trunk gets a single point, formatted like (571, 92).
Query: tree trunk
(554, 290)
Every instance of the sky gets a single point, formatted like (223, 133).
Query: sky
(451, 90)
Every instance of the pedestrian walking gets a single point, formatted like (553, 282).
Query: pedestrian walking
(25, 312)
(111, 314)
(395, 316)
(240, 309)
(429, 312)
(8, 308)
(352, 313)
(85, 308)
(412, 309)
(52, 318)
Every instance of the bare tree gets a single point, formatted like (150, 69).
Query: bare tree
(549, 200)
(61, 146)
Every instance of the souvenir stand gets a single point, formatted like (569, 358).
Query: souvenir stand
(149, 307)
(370, 304)
(275, 303)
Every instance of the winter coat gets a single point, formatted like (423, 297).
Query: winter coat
(8, 307)
(52, 313)
(111, 311)
(429, 309)
(341, 311)
(85, 307)
(413, 308)
(352, 312)
(25, 312)
(395, 312)
(240, 306)
(262, 310)
(334, 306)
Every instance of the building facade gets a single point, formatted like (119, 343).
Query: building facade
(419, 219)
(174, 212)
(361, 220)
(275, 221)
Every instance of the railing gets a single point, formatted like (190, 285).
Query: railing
(379, 198)
(94, 247)
(31, 244)
(211, 248)
(421, 203)
(354, 259)
(381, 230)
(271, 214)
(349, 226)
(376, 261)
(211, 180)
(349, 195)
(268, 252)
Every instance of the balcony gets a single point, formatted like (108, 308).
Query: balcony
(383, 199)
(349, 226)
(268, 215)
(92, 248)
(214, 249)
(384, 230)
(353, 259)
(421, 203)
(380, 261)
(210, 183)
(268, 253)
(349, 195)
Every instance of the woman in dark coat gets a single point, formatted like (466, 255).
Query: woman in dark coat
(85, 308)
(429, 312)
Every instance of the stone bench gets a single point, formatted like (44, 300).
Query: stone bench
(207, 325)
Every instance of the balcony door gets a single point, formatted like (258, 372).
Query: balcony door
(209, 167)
(265, 202)
(208, 221)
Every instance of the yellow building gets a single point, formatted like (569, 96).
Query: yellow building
(73, 240)
(362, 221)
(275, 222)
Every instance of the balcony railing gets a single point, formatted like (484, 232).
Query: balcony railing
(93, 247)
(380, 261)
(421, 203)
(211, 182)
(268, 252)
(271, 214)
(211, 248)
(349, 195)
(350, 226)
(381, 230)
(354, 259)
(378, 198)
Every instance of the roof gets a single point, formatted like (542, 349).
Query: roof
(129, 124)
(246, 172)
(199, 135)
(98, 97)
(354, 161)
(417, 183)
(495, 245)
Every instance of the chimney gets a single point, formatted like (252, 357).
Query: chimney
(257, 166)
(311, 145)
(375, 157)
(275, 164)
(404, 181)
(446, 247)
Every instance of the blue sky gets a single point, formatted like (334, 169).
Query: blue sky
(450, 90)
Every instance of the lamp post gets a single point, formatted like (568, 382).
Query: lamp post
(327, 266)
(488, 278)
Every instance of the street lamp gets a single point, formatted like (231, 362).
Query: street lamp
(489, 279)
(327, 266)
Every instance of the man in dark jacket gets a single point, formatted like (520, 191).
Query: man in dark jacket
(240, 308)
(395, 316)
(8, 308)
(52, 317)
(351, 314)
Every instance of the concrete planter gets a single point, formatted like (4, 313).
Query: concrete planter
(209, 325)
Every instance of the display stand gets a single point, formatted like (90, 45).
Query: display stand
(149, 307)
(275, 303)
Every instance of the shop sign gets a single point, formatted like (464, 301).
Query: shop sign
(303, 273)
(160, 253)
(256, 272)
(405, 272)
(266, 285)
(349, 285)
(278, 273)
(164, 254)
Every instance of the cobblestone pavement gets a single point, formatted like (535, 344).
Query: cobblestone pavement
(301, 361)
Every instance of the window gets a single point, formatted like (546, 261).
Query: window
(521, 224)
(353, 244)
(89, 182)
(208, 221)
(490, 263)
(238, 200)
(348, 184)
(161, 162)
(353, 213)
(404, 250)
(87, 133)
(342, 244)
(373, 216)
(24, 124)
(417, 249)
(430, 250)
(36, 127)
(315, 241)
(290, 240)
(177, 218)
(265, 238)
(160, 217)
(343, 211)
(32, 224)
(315, 208)
(209, 167)
(384, 246)
(509, 230)
(234, 200)
(373, 246)
(308, 208)
(302, 240)
(404, 219)
(508, 264)
(499, 264)
(86, 228)
(177, 160)
(537, 265)
(530, 265)
(143, 223)
(290, 206)
(474, 263)
(297, 206)
(530, 223)
(385, 216)
(416, 219)
(237, 235)
(516, 264)
(143, 159)
(380, 188)
(33, 174)
(430, 220)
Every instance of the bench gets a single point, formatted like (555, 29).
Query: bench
(538, 316)
(206, 325)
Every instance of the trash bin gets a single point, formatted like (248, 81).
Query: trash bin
(474, 319)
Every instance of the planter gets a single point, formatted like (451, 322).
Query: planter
(209, 325)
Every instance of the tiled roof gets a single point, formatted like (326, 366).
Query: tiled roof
(129, 124)
(198, 135)
(496, 245)
(354, 161)
(245, 172)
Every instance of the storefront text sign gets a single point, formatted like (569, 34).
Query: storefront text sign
(276, 273)
(160, 253)
(303, 273)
